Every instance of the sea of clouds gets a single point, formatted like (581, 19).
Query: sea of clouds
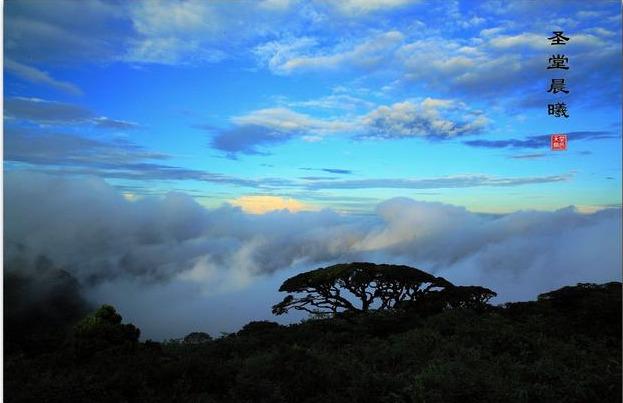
(172, 266)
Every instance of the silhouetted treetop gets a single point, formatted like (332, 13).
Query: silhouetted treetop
(108, 314)
(197, 338)
(103, 329)
(567, 295)
(457, 297)
(467, 296)
(355, 287)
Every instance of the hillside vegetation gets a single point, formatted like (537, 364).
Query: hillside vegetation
(563, 347)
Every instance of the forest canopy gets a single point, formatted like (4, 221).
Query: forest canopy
(438, 343)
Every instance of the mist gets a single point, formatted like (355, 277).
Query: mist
(172, 266)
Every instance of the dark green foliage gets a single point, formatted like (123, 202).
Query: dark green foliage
(565, 347)
(327, 290)
(197, 338)
(259, 327)
(456, 297)
(103, 330)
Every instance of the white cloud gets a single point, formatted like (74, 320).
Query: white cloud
(584, 14)
(366, 6)
(277, 4)
(601, 31)
(488, 32)
(299, 55)
(428, 118)
(525, 39)
(196, 31)
(174, 32)
(172, 51)
(506, 59)
(164, 18)
(275, 54)
(335, 101)
(423, 119)
(472, 22)
(272, 126)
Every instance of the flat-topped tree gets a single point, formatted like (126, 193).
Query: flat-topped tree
(355, 287)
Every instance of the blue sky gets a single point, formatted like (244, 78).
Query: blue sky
(319, 104)
(201, 152)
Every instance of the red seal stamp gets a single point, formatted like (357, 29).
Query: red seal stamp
(559, 142)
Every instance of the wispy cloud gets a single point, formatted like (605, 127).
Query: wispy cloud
(46, 112)
(93, 31)
(297, 54)
(284, 119)
(336, 101)
(504, 60)
(37, 76)
(76, 155)
(248, 139)
(319, 178)
(540, 141)
(358, 7)
(338, 171)
(271, 126)
(458, 181)
(107, 123)
(529, 156)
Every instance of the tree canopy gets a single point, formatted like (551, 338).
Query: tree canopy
(356, 287)
(197, 338)
(457, 297)
(103, 329)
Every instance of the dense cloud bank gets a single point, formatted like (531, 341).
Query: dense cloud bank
(170, 244)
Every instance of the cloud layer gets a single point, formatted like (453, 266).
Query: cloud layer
(171, 243)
